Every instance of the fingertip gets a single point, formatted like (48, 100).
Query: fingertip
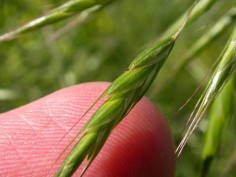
(31, 135)
(141, 145)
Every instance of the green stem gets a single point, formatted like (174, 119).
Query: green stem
(64, 11)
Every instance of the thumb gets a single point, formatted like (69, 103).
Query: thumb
(31, 137)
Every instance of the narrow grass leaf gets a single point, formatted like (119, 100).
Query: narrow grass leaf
(220, 114)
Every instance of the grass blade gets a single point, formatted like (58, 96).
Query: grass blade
(223, 71)
(64, 11)
(220, 114)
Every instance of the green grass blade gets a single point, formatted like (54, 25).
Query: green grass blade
(222, 73)
(220, 113)
(64, 11)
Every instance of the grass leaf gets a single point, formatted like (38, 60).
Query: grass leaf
(220, 114)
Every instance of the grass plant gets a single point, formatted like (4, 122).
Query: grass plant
(122, 95)
(222, 73)
(74, 58)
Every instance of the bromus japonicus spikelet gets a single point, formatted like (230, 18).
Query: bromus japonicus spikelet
(121, 96)
(223, 71)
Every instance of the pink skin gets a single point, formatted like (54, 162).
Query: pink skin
(30, 137)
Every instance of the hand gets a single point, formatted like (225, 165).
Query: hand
(30, 137)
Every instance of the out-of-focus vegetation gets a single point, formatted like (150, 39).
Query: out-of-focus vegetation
(101, 47)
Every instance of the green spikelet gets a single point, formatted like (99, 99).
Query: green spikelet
(64, 11)
(222, 73)
(121, 96)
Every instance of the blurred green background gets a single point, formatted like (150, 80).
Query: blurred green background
(100, 48)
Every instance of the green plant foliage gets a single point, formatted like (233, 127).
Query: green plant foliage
(98, 44)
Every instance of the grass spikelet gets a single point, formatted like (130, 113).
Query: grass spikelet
(222, 73)
(220, 114)
(64, 11)
(121, 96)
